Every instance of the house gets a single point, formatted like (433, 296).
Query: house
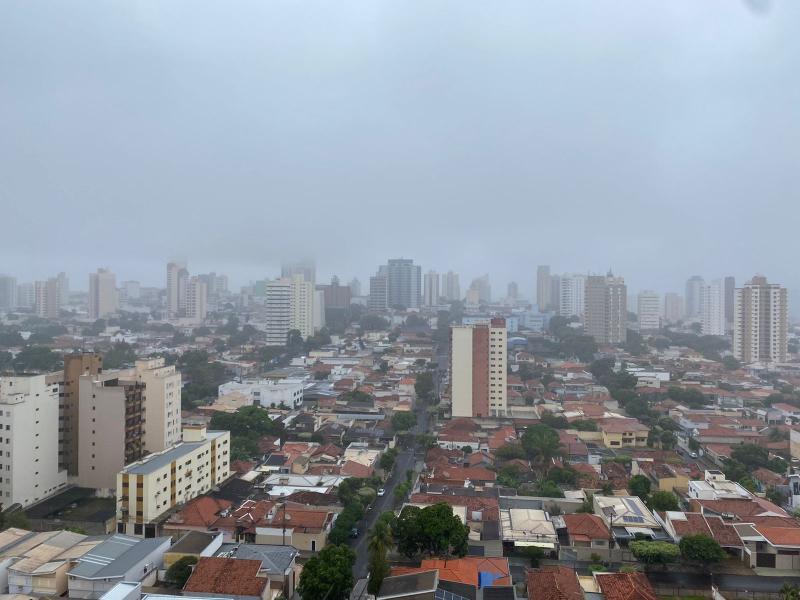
(303, 527)
(278, 563)
(715, 486)
(465, 577)
(522, 527)
(553, 582)
(410, 586)
(680, 524)
(623, 433)
(625, 586)
(118, 558)
(193, 543)
(586, 530)
(771, 547)
(237, 578)
(665, 476)
(628, 517)
(196, 515)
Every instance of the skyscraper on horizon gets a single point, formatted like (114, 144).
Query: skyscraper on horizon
(730, 294)
(478, 366)
(760, 322)
(305, 267)
(695, 286)
(431, 289)
(544, 295)
(451, 289)
(673, 307)
(649, 310)
(606, 317)
(404, 283)
(713, 313)
(572, 295)
(177, 277)
(103, 296)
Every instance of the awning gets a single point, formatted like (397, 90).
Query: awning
(534, 545)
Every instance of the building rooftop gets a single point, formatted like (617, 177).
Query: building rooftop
(113, 558)
(227, 577)
(154, 462)
(274, 559)
(408, 585)
(194, 542)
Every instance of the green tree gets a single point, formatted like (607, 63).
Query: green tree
(433, 530)
(548, 489)
(373, 323)
(120, 355)
(730, 363)
(36, 358)
(701, 549)
(328, 575)
(403, 420)
(246, 425)
(380, 541)
(542, 445)
(181, 570)
(639, 485)
(789, 591)
(654, 552)
(662, 501)
(423, 387)
(510, 451)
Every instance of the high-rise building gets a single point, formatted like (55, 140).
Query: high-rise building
(512, 293)
(318, 307)
(760, 322)
(103, 296)
(572, 295)
(289, 305)
(451, 289)
(379, 290)
(713, 314)
(694, 296)
(606, 318)
(404, 283)
(75, 366)
(216, 285)
(63, 289)
(478, 367)
(730, 293)
(46, 298)
(306, 268)
(431, 295)
(196, 299)
(335, 296)
(544, 295)
(649, 310)
(8, 292)
(129, 290)
(162, 403)
(177, 280)
(29, 408)
(484, 288)
(26, 295)
(555, 294)
(673, 307)
(355, 287)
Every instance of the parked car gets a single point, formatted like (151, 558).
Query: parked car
(693, 454)
(381, 492)
(354, 532)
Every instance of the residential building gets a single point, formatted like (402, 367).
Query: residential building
(29, 464)
(572, 295)
(730, 296)
(379, 290)
(129, 290)
(304, 527)
(714, 309)
(335, 296)
(715, 486)
(8, 292)
(525, 527)
(146, 490)
(103, 297)
(162, 403)
(606, 309)
(63, 289)
(278, 563)
(627, 517)
(649, 310)
(26, 295)
(196, 299)
(431, 292)
(355, 287)
(673, 307)
(304, 268)
(553, 582)
(761, 322)
(585, 530)
(404, 283)
(694, 296)
(624, 586)
(483, 287)
(623, 433)
(555, 293)
(236, 578)
(451, 290)
(543, 289)
(195, 544)
(478, 364)
(177, 278)
(75, 366)
(318, 310)
(267, 392)
(512, 293)
(46, 298)
(289, 306)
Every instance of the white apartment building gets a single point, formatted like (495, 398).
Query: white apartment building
(29, 462)
(147, 489)
(267, 392)
(713, 311)
(673, 307)
(196, 299)
(572, 294)
(451, 290)
(103, 297)
(162, 403)
(478, 366)
(177, 277)
(289, 305)
(46, 298)
(649, 310)
(430, 294)
(760, 322)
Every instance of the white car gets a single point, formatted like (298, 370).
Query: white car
(693, 454)
(381, 492)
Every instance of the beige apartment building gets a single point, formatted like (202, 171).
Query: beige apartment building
(606, 309)
(760, 322)
(75, 365)
(162, 403)
(147, 489)
(478, 364)
(103, 295)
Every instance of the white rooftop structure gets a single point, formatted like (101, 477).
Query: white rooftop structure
(716, 487)
(527, 527)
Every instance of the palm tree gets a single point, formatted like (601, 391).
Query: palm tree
(789, 592)
(379, 541)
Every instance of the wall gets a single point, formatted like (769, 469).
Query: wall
(102, 434)
(461, 365)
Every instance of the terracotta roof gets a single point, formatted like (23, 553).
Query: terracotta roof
(200, 512)
(585, 527)
(489, 507)
(228, 576)
(781, 536)
(300, 517)
(723, 532)
(355, 469)
(625, 586)
(463, 570)
(553, 582)
(622, 425)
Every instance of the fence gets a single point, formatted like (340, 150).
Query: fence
(683, 592)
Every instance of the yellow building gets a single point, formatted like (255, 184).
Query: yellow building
(624, 433)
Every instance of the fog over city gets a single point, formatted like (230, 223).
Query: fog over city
(659, 139)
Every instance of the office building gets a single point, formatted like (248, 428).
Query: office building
(146, 490)
(289, 304)
(177, 280)
(451, 289)
(196, 299)
(673, 307)
(431, 295)
(404, 283)
(483, 287)
(355, 287)
(694, 296)
(335, 296)
(760, 322)
(730, 293)
(46, 298)
(512, 293)
(305, 268)
(713, 315)
(29, 465)
(478, 366)
(379, 290)
(544, 294)
(8, 292)
(606, 317)
(75, 366)
(26, 295)
(572, 295)
(103, 297)
(649, 310)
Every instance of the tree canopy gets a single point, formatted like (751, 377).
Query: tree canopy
(328, 575)
(662, 501)
(246, 425)
(542, 444)
(432, 530)
(654, 552)
(403, 420)
(701, 548)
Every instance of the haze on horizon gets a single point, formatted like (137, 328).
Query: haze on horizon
(658, 139)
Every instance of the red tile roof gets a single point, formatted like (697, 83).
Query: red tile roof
(355, 469)
(781, 536)
(228, 576)
(488, 507)
(553, 583)
(200, 512)
(463, 570)
(585, 527)
(625, 586)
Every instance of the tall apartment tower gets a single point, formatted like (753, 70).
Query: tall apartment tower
(103, 296)
(730, 293)
(289, 305)
(555, 294)
(478, 366)
(306, 268)
(162, 403)
(8, 292)
(673, 307)
(695, 286)
(177, 281)
(713, 313)
(760, 322)
(606, 318)
(75, 366)
(63, 289)
(46, 298)
(649, 310)
(431, 292)
(451, 289)
(379, 290)
(196, 299)
(512, 293)
(404, 283)
(544, 294)
(572, 295)
(29, 408)
(26, 295)
(355, 287)
(483, 286)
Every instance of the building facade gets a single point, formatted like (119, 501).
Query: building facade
(544, 294)
(694, 296)
(572, 295)
(431, 291)
(46, 298)
(404, 283)
(714, 308)
(196, 299)
(103, 298)
(75, 366)
(649, 310)
(673, 307)
(289, 305)
(761, 322)
(8, 292)
(478, 365)
(379, 291)
(606, 317)
(451, 289)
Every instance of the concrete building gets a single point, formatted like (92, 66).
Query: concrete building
(478, 362)
(177, 278)
(46, 298)
(761, 322)
(335, 296)
(196, 299)
(289, 305)
(512, 293)
(483, 287)
(29, 464)
(714, 309)
(63, 289)
(544, 294)
(431, 293)
(304, 268)
(572, 295)
(404, 283)
(694, 297)
(129, 290)
(451, 289)
(730, 294)
(267, 392)
(379, 290)
(673, 307)
(149, 488)
(8, 292)
(649, 310)
(26, 295)
(318, 316)
(75, 366)
(103, 297)
(355, 287)
(606, 316)
(162, 403)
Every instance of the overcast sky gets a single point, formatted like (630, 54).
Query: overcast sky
(658, 138)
